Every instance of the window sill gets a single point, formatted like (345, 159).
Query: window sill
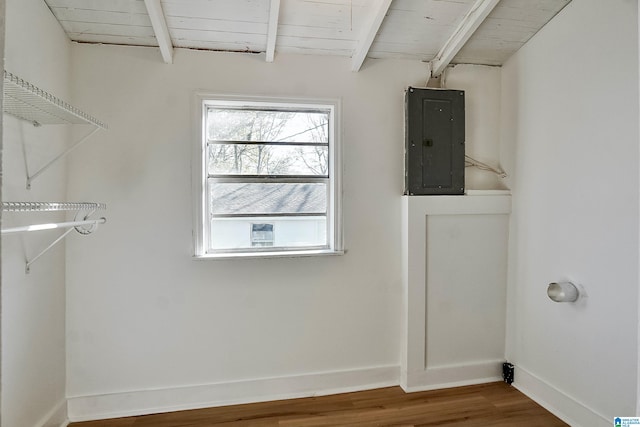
(263, 255)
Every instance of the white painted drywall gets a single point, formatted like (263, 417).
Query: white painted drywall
(466, 288)
(142, 314)
(570, 140)
(455, 260)
(481, 85)
(33, 305)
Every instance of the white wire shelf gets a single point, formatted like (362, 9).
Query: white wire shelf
(28, 102)
(50, 206)
(38, 107)
(32, 104)
(82, 222)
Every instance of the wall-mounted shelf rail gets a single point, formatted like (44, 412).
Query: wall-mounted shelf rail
(32, 104)
(50, 206)
(82, 223)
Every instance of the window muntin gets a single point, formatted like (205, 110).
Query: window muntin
(273, 162)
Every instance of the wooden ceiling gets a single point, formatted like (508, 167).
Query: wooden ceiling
(474, 31)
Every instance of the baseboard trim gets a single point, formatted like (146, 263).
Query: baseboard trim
(144, 402)
(560, 404)
(452, 376)
(56, 417)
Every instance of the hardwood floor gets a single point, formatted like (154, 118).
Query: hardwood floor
(495, 405)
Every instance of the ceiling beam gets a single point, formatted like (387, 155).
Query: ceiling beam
(470, 23)
(274, 12)
(380, 8)
(159, 24)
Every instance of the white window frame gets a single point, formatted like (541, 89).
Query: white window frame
(199, 168)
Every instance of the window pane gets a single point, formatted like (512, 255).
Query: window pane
(262, 234)
(267, 198)
(266, 176)
(288, 232)
(244, 159)
(225, 124)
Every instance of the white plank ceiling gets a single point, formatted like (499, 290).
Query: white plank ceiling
(411, 29)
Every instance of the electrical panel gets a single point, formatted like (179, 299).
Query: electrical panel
(434, 145)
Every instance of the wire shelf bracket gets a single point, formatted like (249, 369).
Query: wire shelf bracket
(84, 225)
(33, 105)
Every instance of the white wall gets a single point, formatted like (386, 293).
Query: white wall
(571, 143)
(33, 305)
(455, 259)
(143, 315)
(481, 84)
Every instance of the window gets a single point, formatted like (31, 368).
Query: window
(261, 234)
(267, 165)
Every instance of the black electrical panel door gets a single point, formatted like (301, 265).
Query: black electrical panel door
(434, 152)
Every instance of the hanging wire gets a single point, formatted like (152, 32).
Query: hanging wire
(471, 162)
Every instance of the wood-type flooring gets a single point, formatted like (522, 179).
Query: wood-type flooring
(495, 404)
